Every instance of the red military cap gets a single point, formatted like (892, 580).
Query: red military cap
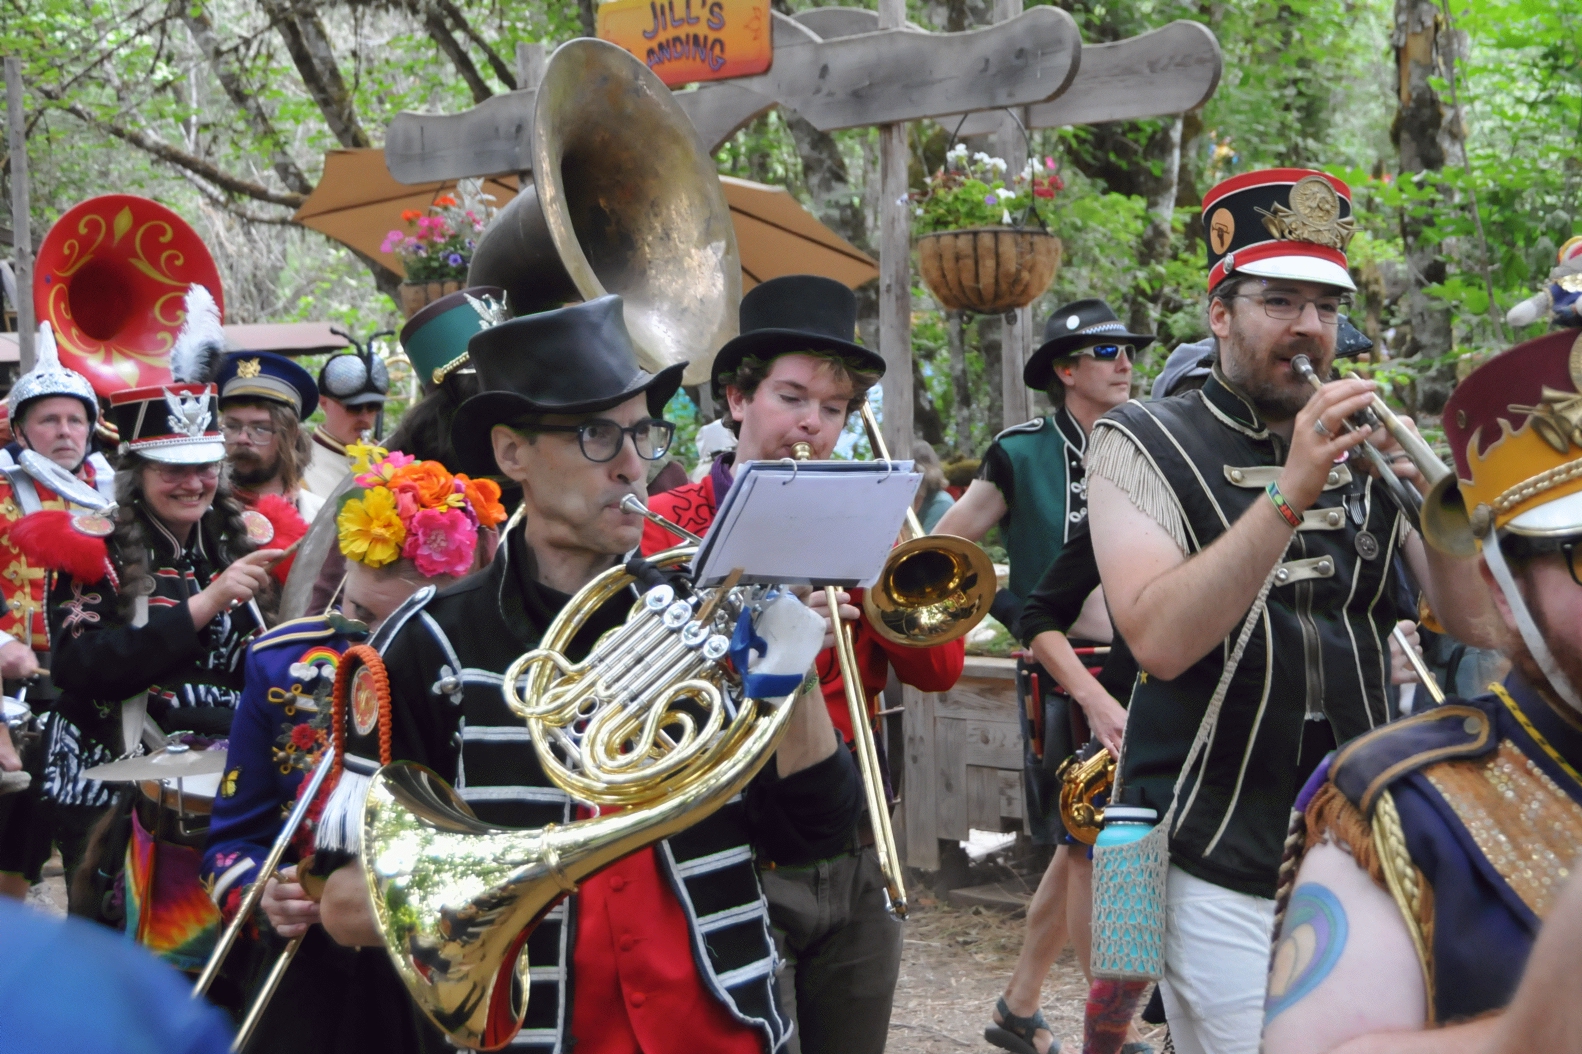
(1515, 430)
(1291, 223)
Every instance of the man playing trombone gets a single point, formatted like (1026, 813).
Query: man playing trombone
(1246, 556)
(794, 376)
(668, 949)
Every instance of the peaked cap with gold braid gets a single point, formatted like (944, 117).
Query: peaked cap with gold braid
(1515, 430)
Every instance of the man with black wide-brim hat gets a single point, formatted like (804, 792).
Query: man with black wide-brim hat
(1248, 560)
(794, 375)
(567, 412)
(1031, 483)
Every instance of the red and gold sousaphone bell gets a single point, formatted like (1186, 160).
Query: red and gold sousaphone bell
(111, 279)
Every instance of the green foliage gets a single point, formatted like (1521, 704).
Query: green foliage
(968, 192)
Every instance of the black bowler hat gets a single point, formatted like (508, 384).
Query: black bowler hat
(1078, 325)
(572, 360)
(796, 312)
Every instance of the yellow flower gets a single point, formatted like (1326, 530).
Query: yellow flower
(364, 455)
(371, 531)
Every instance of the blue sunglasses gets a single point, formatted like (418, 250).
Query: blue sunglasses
(1108, 352)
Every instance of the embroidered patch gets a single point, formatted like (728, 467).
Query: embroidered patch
(1527, 828)
(316, 664)
(365, 702)
(77, 613)
(228, 784)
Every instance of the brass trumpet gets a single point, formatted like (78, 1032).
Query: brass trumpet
(1440, 514)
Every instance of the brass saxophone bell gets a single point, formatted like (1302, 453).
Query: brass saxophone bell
(1081, 781)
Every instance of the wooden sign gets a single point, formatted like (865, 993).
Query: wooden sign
(692, 40)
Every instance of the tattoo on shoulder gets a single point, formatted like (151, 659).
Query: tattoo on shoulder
(1313, 937)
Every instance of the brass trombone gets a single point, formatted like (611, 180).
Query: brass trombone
(932, 589)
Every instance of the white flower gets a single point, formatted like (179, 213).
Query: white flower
(1005, 217)
(1006, 193)
(901, 201)
(959, 150)
(920, 210)
(997, 162)
(981, 158)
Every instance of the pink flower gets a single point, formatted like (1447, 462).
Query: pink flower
(406, 504)
(382, 472)
(440, 542)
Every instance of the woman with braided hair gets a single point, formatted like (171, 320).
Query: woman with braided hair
(150, 607)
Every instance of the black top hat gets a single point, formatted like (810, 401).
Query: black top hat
(572, 360)
(796, 312)
(1078, 325)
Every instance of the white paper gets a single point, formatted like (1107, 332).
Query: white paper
(808, 523)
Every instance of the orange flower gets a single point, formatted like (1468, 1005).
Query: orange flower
(429, 483)
(445, 201)
(408, 215)
(484, 496)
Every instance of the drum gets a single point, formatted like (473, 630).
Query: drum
(178, 810)
(15, 714)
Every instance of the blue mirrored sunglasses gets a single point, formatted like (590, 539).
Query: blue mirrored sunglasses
(1108, 352)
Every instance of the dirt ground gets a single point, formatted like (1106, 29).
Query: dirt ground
(954, 964)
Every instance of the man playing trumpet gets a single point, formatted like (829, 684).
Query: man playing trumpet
(1247, 496)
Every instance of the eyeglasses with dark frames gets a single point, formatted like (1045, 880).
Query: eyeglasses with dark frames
(1522, 548)
(1288, 307)
(601, 439)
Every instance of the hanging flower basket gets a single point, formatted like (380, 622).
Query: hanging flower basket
(417, 295)
(989, 270)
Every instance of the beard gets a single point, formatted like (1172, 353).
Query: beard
(1262, 376)
(1566, 652)
(249, 470)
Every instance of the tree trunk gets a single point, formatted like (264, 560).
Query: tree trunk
(585, 14)
(1429, 135)
(1160, 168)
(308, 44)
(927, 422)
(991, 330)
(958, 382)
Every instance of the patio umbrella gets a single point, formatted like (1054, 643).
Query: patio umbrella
(358, 202)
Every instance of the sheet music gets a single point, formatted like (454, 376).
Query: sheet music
(808, 523)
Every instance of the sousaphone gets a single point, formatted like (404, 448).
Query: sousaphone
(111, 279)
(625, 199)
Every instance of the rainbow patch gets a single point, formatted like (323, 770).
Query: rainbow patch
(321, 654)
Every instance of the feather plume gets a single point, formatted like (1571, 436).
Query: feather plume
(200, 346)
(48, 539)
(289, 527)
(45, 355)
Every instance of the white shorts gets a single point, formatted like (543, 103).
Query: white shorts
(1216, 966)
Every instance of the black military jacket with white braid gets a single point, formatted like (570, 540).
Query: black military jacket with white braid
(1316, 669)
(445, 653)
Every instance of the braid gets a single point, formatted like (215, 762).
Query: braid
(129, 541)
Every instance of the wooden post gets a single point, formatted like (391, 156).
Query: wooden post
(895, 270)
(22, 233)
(530, 62)
(1015, 345)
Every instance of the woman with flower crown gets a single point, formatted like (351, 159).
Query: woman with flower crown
(409, 526)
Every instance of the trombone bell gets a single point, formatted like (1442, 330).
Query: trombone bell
(932, 590)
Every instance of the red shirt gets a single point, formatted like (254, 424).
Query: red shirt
(933, 669)
(637, 987)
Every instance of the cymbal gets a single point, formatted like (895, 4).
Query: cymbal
(176, 761)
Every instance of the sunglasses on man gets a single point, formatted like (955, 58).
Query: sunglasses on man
(1108, 352)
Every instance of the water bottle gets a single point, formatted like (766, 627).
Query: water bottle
(1125, 823)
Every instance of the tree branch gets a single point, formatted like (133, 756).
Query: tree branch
(439, 33)
(202, 30)
(308, 44)
(171, 155)
(221, 201)
(502, 69)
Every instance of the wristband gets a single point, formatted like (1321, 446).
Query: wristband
(1292, 517)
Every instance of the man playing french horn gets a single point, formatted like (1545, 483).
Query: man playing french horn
(668, 949)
